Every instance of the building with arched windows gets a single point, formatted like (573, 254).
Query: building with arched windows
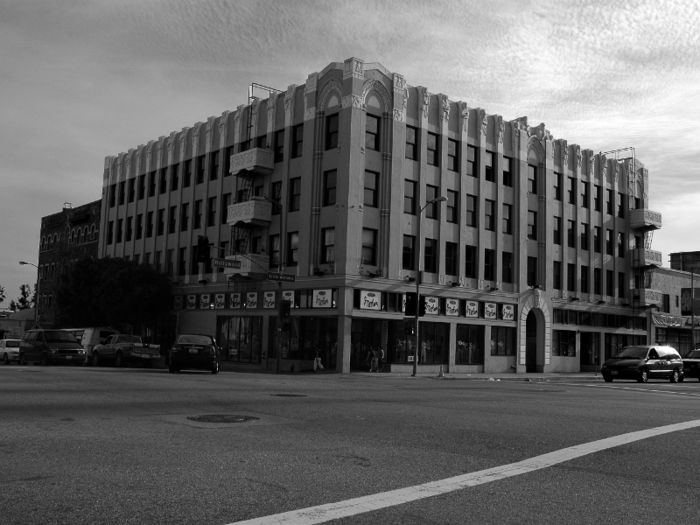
(536, 260)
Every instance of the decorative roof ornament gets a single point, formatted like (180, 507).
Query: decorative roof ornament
(464, 110)
(445, 104)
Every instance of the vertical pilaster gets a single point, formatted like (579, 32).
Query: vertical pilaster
(393, 188)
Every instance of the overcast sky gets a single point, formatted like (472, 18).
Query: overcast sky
(82, 79)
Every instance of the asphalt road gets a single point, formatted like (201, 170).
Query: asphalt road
(115, 446)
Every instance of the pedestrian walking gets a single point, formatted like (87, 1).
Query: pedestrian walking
(317, 360)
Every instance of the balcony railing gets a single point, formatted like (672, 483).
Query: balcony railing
(251, 264)
(647, 297)
(645, 219)
(256, 161)
(256, 212)
(641, 257)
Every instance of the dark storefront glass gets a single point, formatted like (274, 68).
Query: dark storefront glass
(589, 347)
(301, 336)
(240, 338)
(470, 350)
(614, 343)
(678, 339)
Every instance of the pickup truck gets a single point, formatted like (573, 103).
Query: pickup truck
(121, 348)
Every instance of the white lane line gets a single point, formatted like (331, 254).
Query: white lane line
(351, 507)
(639, 389)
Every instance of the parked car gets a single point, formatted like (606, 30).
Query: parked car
(49, 347)
(123, 348)
(194, 351)
(91, 337)
(9, 350)
(643, 363)
(691, 364)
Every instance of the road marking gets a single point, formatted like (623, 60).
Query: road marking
(639, 389)
(351, 507)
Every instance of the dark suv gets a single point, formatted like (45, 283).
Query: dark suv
(643, 363)
(50, 347)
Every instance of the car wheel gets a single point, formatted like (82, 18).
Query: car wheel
(215, 368)
(675, 376)
(22, 359)
(95, 359)
(6, 359)
(608, 379)
(643, 376)
(119, 360)
(44, 360)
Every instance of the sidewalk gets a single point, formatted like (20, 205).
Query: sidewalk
(577, 377)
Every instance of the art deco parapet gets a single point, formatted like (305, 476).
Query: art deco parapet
(256, 212)
(645, 219)
(647, 297)
(251, 265)
(256, 161)
(642, 257)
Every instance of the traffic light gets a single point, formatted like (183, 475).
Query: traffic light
(286, 307)
(410, 308)
(203, 255)
(421, 307)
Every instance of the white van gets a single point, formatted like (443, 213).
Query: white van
(91, 337)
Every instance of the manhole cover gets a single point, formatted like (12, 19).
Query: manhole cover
(222, 418)
(289, 395)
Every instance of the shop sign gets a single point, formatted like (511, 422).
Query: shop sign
(667, 320)
(452, 307)
(489, 310)
(370, 300)
(251, 300)
(508, 312)
(191, 302)
(220, 301)
(431, 305)
(177, 303)
(322, 298)
(288, 295)
(403, 302)
(204, 301)
(269, 299)
(235, 299)
(472, 309)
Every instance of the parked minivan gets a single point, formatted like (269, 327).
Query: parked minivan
(643, 363)
(50, 346)
(89, 338)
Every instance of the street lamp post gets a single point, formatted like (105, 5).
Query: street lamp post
(417, 330)
(38, 289)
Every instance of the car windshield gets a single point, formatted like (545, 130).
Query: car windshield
(634, 352)
(695, 354)
(194, 340)
(59, 337)
(12, 343)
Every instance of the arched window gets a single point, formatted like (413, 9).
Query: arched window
(82, 235)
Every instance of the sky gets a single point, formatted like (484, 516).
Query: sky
(84, 79)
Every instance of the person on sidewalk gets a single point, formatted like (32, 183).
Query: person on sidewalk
(317, 361)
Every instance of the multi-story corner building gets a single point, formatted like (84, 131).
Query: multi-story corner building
(65, 236)
(686, 261)
(535, 261)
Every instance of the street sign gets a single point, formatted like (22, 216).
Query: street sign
(284, 277)
(226, 263)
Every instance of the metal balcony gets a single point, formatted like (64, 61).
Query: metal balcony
(647, 297)
(645, 219)
(642, 257)
(256, 161)
(251, 265)
(255, 212)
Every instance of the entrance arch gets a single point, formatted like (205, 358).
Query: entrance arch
(535, 333)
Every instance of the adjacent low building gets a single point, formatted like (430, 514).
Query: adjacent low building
(537, 260)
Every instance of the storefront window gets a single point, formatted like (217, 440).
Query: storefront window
(564, 343)
(502, 340)
(470, 349)
(240, 338)
(590, 348)
(303, 336)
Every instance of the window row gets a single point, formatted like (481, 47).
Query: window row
(599, 320)
(582, 277)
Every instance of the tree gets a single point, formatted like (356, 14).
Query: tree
(23, 301)
(111, 292)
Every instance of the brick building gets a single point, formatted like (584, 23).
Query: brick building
(538, 259)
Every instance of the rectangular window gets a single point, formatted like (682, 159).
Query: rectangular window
(409, 197)
(508, 218)
(161, 221)
(225, 203)
(558, 178)
(532, 179)
(557, 231)
(214, 165)
(532, 271)
(228, 152)
(292, 248)
(430, 256)
(132, 190)
(174, 177)
(261, 142)
(411, 143)
(112, 195)
(470, 261)
(152, 184)
(372, 129)
(432, 211)
(211, 212)
(328, 247)
(620, 244)
(532, 225)
(597, 281)
(452, 207)
(182, 262)
(584, 279)
(187, 174)
(172, 219)
(490, 215)
(274, 249)
(120, 229)
(276, 197)
(471, 211)
(609, 203)
(279, 146)
(184, 216)
(369, 246)
(332, 122)
(564, 343)
(571, 277)
(433, 149)
(489, 265)
(488, 163)
(620, 205)
(609, 242)
(294, 194)
(507, 171)
(451, 256)
(507, 267)
(139, 226)
(571, 192)
(584, 236)
(471, 161)
(201, 168)
(556, 275)
(142, 187)
(197, 214)
(409, 252)
(584, 194)
(609, 283)
(371, 196)
(297, 141)
(502, 340)
(122, 192)
(170, 263)
(330, 179)
(597, 197)
(452, 155)
(110, 232)
(571, 234)
(163, 185)
(149, 224)
(596, 239)
(622, 285)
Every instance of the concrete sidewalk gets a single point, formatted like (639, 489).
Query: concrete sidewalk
(577, 377)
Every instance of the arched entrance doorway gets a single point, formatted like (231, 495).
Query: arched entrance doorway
(531, 343)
